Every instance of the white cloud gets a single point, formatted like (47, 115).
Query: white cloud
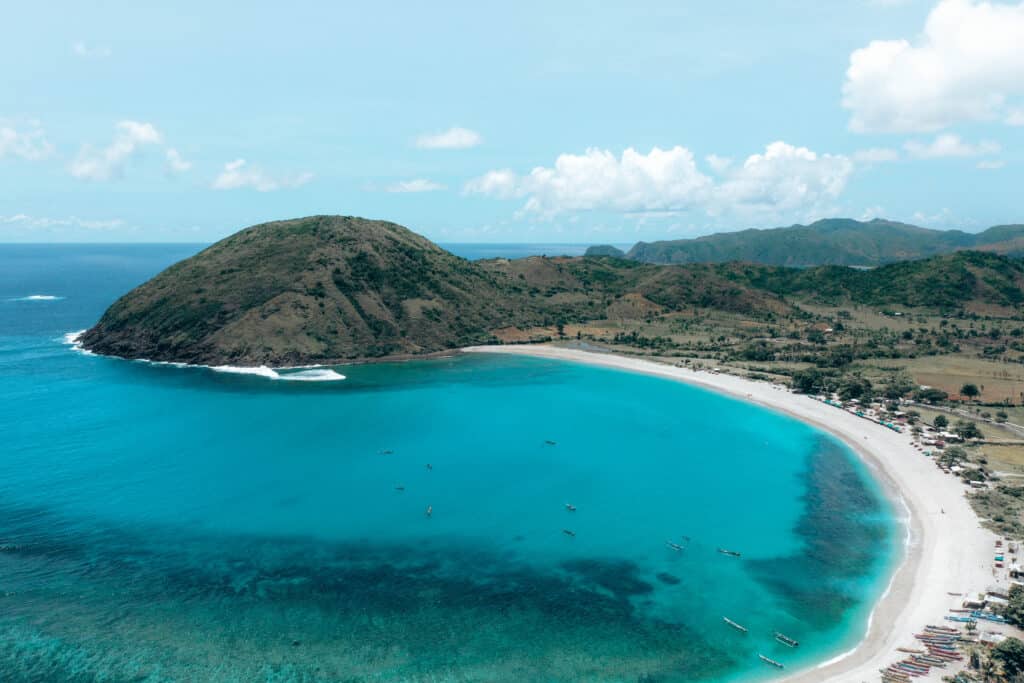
(29, 144)
(1015, 117)
(717, 163)
(415, 185)
(876, 155)
(949, 145)
(238, 174)
(176, 162)
(991, 164)
(783, 178)
(40, 223)
(453, 138)
(103, 164)
(81, 49)
(965, 66)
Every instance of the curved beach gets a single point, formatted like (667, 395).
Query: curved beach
(947, 550)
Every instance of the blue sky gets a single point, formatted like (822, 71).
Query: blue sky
(606, 122)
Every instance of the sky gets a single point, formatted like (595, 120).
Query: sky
(570, 122)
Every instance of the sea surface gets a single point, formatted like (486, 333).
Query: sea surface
(406, 523)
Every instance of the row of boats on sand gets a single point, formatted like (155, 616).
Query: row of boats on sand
(780, 637)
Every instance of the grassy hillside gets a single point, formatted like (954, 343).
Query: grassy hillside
(331, 288)
(313, 288)
(835, 241)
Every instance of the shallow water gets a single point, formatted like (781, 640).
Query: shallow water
(168, 524)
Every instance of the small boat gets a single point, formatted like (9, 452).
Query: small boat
(399, 488)
(569, 532)
(734, 624)
(675, 546)
(786, 640)
(685, 538)
(386, 452)
(429, 467)
(430, 510)
(570, 507)
(549, 442)
(768, 660)
(730, 553)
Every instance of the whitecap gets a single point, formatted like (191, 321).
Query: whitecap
(262, 370)
(319, 375)
(74, 340)
(38, 297)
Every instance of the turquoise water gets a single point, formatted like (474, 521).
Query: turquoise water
(167, 524)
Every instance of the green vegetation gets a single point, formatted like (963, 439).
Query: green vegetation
(834, 241)
(330, 289)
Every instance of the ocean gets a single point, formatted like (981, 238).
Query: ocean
(406, 523)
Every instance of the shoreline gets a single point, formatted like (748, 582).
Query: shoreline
(945, 545)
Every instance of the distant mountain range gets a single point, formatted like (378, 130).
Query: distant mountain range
(833, 241)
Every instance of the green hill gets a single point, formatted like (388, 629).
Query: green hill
(325, 287)
(835, 241)
(329, 289)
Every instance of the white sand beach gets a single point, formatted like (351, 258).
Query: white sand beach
(947, 549)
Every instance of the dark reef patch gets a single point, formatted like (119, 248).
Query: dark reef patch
(141, 605)
(841, 529)
(668, 579)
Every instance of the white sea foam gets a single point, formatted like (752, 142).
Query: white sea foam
(320, 375)
(74, 340)
(309, 375)
(262, 371)
(38, 297)
(299, 373)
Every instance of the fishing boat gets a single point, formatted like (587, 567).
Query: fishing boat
(730, 553)
(569, 532)
(734, 624)
(769, 660)
(785, 640)
(674, 546)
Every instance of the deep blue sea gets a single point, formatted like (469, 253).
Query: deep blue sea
(182, 524)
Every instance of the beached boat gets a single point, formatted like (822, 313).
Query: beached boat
(785, 640)
(730, 553)
(734, 624)
(769, 660)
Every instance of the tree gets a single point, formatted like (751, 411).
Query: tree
(1010, 653)
(967, 430)
(930, 395)
(1014, 610)
(898, 386)
(940, 422)
(970, 391)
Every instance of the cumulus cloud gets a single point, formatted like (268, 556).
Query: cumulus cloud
(1014, 117)
(949, 145)
(991, 164)
(81, 49)
(965, 66)
(453, 138)
(238, 174)
(29, 143)
(39, 223)
(415, 185)
(876, 155)
(784, 177)
(717, 163)
(176, 162)
(130, 138)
